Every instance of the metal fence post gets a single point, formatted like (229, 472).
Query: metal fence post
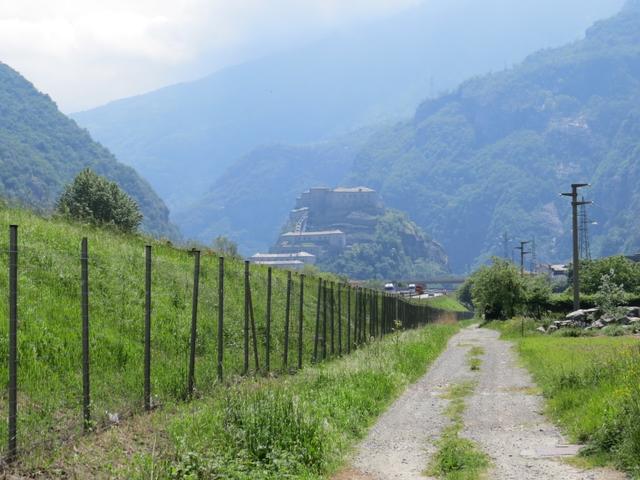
(356, 316)
(267, 362)
(348, 319)
(194, 321)
(220, 317)
(86, 395)
(324, 320)
(332, 323)
(339, 319)
(13, 342)
(301, 322)
(286, 322)
(317, 332)
(147, 327)
(246, 318)
(364, 316)
(253, 331)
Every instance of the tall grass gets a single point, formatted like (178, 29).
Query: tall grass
(592, 386)
(49, 334)
(446, 302)
(300, 426)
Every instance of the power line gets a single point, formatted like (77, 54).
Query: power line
(534, 255)
(505, 245)
(522, 254)
(576, 251)
(585, 248)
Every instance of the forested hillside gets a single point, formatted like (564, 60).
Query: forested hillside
(251, 199)
(493, 155)
(184, 136)
(397, 249)
(41, 150)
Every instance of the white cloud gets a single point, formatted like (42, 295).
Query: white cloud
(86, 52)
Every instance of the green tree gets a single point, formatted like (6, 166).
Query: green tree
(610, 295)
(94, 199)
(464, 293)
(497, 290)
(537, 292)
(620, 269)
(225, 246)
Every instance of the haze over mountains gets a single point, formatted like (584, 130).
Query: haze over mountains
(487, 158)
(183, 137)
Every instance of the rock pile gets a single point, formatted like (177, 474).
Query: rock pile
(594, 319)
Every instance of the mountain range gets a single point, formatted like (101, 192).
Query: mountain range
(183, 137)
(487, 158)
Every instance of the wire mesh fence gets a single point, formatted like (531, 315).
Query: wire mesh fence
(102, 333)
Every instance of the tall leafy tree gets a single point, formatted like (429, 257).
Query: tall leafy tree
(92, 198)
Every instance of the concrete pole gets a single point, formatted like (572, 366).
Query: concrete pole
(576, 247)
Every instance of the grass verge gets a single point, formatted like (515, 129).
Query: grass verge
(299, 426)
(446, 302)
(457, 458)
(592, 387)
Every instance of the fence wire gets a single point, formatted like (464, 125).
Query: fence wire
(50, 352)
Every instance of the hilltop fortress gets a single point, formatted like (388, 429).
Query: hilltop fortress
(327, 220)
(328, 223)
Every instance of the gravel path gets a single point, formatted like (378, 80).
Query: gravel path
(502, 416)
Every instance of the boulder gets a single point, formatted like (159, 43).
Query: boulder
(541, 329)
(628, 320)
(633, 311)
(576, 315)
(597, 324)
(606, 319)
(592, 314)
(552, 328)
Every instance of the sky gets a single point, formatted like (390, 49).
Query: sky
(84, 53)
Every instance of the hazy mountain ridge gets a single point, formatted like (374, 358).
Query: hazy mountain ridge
(183, 137)
(492, 156)
(241, 207)
(41, 150)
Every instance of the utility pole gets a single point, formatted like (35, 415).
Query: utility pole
(583, 217)
(576, 248)
(505, 245)
(522, 254)
(534, 256)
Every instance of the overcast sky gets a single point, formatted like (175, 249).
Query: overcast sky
(86, 52)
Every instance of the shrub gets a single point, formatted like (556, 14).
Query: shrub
(610, 295)
(537, 292)
(225, 246)
(621, 270)
(94, 199)
(497, 290)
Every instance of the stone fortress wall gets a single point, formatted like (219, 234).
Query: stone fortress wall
(326, 205)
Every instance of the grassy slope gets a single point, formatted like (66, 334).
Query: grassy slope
(446, 302)
(592, 386)
(346, 395)
(50, 330)
(300, 426)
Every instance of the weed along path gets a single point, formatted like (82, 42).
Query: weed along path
(497, 423)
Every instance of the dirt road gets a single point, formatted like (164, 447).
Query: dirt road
(503, 416)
